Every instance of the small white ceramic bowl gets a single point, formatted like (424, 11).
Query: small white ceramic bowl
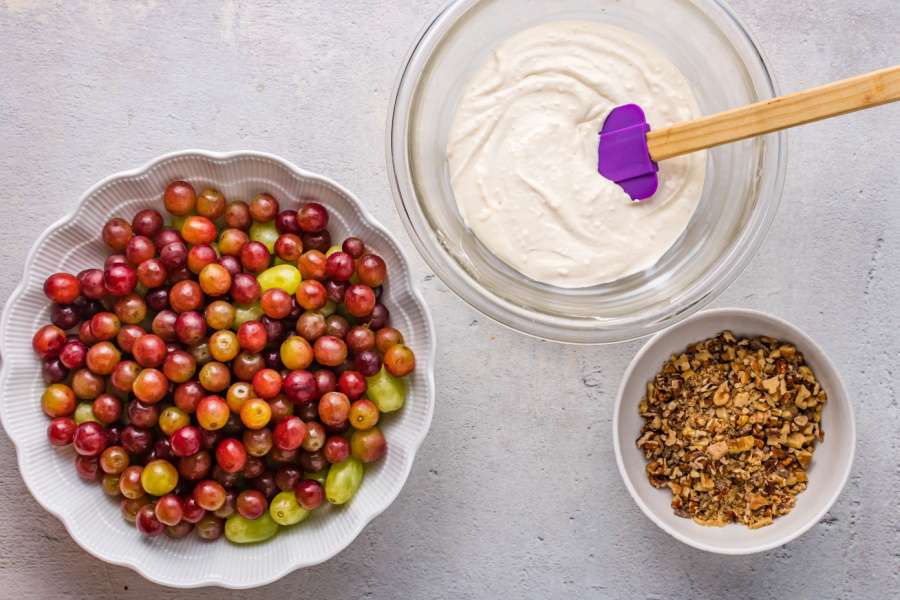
(832, 459)
(94, 520)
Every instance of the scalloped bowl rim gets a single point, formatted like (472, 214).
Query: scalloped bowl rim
(300, 562)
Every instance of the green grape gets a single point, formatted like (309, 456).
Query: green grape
(85, 412)
(329, 308)
(240, 530)
(319, 476)
(265, 233)
(332, 250)
(343, 480)
(244, 313)
(285, 510)
(286, 277)
(386, 391)
(177, 222)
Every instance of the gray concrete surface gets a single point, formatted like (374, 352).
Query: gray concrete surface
(515, 493)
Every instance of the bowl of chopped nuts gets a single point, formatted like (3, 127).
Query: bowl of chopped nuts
(720, 430)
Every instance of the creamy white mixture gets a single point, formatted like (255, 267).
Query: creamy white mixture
(523, 154)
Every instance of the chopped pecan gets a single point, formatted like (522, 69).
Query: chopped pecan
(730, 426)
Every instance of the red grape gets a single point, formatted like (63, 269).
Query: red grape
(315, 436)
(399, 360)
(197, 229)
(88, 468)
(135, 440)
(312, 264)
(300, 387)
(387, 337)
(336, 449)
(309, 494)
(354, 247)
(263, 207)
(185, 441)
(180, 198)
(200, 256)
(255, 257)
(267, 383)
(245, 288)
(312, 217)
(288, 247)
(352, 384)
(368, 445)
(289, 433)
(251, 504)
(150, 386)
(149, 350)
(120, 280)
(102, 358)
(147, 522)
(60, 431)
(62, 288)
(359, 300)
(185, 296)
(210, 495)
(252, 336)
(380, 317)
(311, 295)
(53, 371)
(339, 266)
(139, 249)
(363, 414)
(174, 256)
(48, 341)
(190, 510)
(311, 326)
(116, 233)
(107, 408)
(286, 222)
(360, 339)
(212, 413)
(73, 354)
(367, 362)
(147, 222)
(91, 281)
(276, 303)
(231, 455)
(334, 408)
(371, 270)
(237, 215)
(89, 439)
(330, 350)
(210, 203)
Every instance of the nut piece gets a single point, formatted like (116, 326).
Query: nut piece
(742, 444)
(730, 426)
(722, 395)
(717, 450)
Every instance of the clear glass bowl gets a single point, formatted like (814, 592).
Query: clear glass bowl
(741, 194)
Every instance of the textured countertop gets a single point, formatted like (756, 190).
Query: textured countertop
(515, 492)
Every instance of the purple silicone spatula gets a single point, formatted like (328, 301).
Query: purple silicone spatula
(629, 150)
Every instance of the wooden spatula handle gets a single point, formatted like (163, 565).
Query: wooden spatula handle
(848, 95)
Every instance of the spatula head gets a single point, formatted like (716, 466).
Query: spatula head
(623, 154)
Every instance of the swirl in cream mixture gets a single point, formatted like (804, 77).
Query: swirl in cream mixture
(523, 154)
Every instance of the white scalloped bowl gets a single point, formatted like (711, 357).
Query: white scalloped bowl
(92, 519)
